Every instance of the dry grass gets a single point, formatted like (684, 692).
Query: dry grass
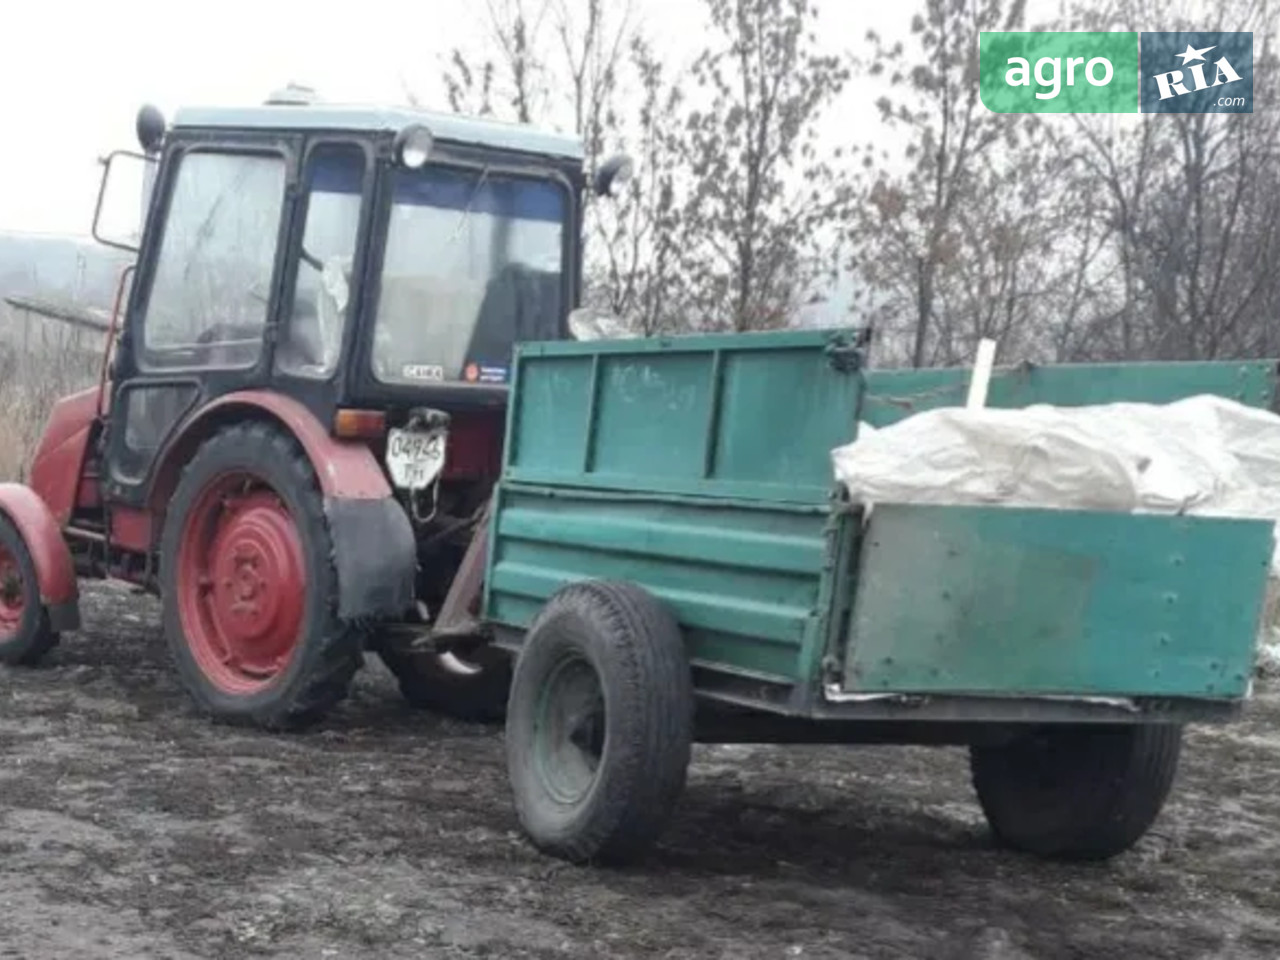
(39, 363)
(24, 411)
(13, 450)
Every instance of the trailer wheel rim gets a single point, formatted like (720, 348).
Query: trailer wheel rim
(570, 730)
(13, 599)
(241, 582)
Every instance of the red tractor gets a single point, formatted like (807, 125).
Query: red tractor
(301, 412)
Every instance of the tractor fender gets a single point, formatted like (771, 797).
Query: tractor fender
(347, 469)
(375, 552)
(55, 573)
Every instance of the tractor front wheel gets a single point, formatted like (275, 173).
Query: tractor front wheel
(25, 633)
(250, 610)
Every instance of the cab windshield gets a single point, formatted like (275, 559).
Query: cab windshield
(474, 263)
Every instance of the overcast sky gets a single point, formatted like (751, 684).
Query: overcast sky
(73, 75)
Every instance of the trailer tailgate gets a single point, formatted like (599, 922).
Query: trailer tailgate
(999, 601)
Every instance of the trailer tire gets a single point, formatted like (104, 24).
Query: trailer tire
(26, 634)
(248, 585)
(1078, 792)
(599, 723)
(427, 682)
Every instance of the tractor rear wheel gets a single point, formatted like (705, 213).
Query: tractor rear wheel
(249, 587)
(25, 634)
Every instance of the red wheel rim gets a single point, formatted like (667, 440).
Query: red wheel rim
(241, 583)
(13, 599)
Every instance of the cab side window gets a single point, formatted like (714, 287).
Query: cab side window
(211, 291)
(322, 292)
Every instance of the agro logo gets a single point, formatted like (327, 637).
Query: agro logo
(1058, 72)
(1184, 72)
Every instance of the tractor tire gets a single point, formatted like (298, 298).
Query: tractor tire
(472, 687)
(25, 633)
(1078, 792)
(248, 584)
(599, 723)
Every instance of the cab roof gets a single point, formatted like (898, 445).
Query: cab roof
(445, 127)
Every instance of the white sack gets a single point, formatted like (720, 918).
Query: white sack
(1204, 455)
(1269, 657)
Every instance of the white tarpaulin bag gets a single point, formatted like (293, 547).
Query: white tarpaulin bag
(1205, 455)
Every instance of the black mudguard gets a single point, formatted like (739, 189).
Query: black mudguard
(375, 557)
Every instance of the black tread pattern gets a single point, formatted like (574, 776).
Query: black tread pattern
(639, 652)
(332, 648)
(1109, 789)
(35, 637)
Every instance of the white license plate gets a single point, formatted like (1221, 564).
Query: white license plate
(415, 457)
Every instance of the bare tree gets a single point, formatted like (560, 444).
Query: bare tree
(514, 73)
(919, 218)
(634, 271)
(1189, 206)
(763, 202)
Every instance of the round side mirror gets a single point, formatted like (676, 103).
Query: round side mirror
(616, 170)
(150, 127)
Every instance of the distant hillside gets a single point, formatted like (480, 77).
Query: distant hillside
(64, 268)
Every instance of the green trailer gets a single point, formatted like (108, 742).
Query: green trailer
(672, 561)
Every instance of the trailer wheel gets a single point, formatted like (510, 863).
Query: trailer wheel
(249, 586)
(1079, 792)
(473, 686)
(25, 633)
(599, 723)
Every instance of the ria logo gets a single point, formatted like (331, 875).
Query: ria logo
(1184, 72)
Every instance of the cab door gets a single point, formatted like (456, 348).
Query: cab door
(323, 289)
(205, 305)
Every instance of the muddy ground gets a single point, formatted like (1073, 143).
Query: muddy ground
(130, 828)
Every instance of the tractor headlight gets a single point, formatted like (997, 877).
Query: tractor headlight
(413, 146)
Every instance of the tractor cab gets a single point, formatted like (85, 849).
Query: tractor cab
(370, 263)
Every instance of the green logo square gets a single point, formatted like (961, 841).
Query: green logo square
(1059, 72)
